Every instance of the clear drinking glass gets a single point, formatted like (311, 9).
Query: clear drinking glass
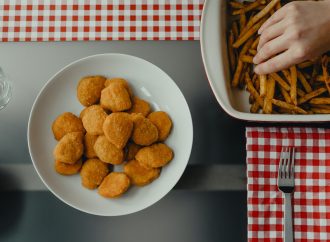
(5, 89)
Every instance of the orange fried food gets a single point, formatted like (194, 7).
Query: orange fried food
(144, 131)
(66, 123)
(89, 142)
(93, 172)
(67, 169)
(163, 123)
(82, 113)
(119, 80)
(156, 155)
(131, 151)
(114, 185)
(70, 148)
(107, 152)
(118, 127)
(89, 90)
(140, 175)
(140, 106)
(93, 119)
(115, 97)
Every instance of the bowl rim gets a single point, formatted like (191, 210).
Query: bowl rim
(32, 111)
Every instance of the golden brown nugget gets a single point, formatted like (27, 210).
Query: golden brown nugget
(93, 119)
(114, 185)
(140, 106)
(140, 175)
(70, 148)
(82, 113)
(67, 169)
(89, 142)
(107, 152)
(156, 155)
(115, 97)
(118, 127)
(89, 90)
(66, 123)
(119, 80)
(144, 131)
(132, 150)
(163, 123)
(93, 172)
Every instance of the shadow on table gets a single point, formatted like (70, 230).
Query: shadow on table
(11, 204)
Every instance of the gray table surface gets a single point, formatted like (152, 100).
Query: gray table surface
(209, 203)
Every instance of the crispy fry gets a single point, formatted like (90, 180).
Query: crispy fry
(278, 5)
(304, 82)
(324, 62)
(323, 106)
(320, 78)
(311, 95)
(247, 58)
(252, 52)
(244, 37)
(293, 88)
(305, 64)
(285, 94)
(269, 96)
(249, 7)
(234, 28)
(263, 82)
(288, 106)
(280, 81)
(235, 4)
(255, 43)
(320, 100)
(254, 107)
(231, 53)
(300, 92)
(242, 21)
(252, 90)
(321, 110)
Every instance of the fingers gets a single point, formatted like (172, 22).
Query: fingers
(277, 63)
(270, 33)
(270, 49)
(275, 18)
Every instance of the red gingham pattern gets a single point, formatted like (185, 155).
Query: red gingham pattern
(311, 199)
(71, 20)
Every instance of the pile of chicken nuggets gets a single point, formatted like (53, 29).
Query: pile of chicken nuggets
(116, 128)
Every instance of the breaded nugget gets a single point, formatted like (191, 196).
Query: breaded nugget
(107, 152)
(93, 172)
(70, 148)
(115, 97)
(140, 106)
(163, 123)
(131, 151)
(89, 90)
(93, 119)
(66, 123)
(119, 80)
(156, 155)
(139, 174)
(67, 169)
(82, 113)
(144, 131)
(89, 142)
(118, 127)
(114, 185)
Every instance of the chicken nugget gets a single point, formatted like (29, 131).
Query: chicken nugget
(114, 185)
(119, 80)
(93, 119)
(118, 127)
(115, 97)
(140, 106)
(163, 123)
(93, 172)
(144, 131)
(70, 148)
(156, 155)
(140, 175)
(89, 90)
(131, 151)
(66, 123)
(67, 169)
(89, 142)
(107, 152)
(82, 113)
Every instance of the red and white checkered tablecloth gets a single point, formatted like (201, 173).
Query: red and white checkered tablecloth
(71, 20)
(311, 200)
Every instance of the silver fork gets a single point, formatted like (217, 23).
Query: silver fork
(285, 183)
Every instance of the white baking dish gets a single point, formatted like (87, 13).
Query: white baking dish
(214, 53)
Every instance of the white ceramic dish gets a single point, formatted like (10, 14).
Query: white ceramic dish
(59, 95)
(214, 53)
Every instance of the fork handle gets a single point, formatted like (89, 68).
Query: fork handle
(288, 236)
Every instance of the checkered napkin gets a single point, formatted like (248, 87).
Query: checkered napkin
(70, 20)
(311, 200)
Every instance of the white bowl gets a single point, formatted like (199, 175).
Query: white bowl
(214, 53)
(59, 95)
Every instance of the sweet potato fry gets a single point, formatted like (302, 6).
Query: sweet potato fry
(252, 90)
(304, 82)
(247, 58)
(263, 82)
(236, 5)
(254, 107)
(280, 81)
(324, 62)
(321, 110)
(320, 100)
(293, 88)
(234, 28)
(311, 95)
(249, 7)
(288, 106)
(244, 37)
(231, 53)
(305, 64)
(242, 21)
(269, 96)
(285, 95)
(255, 43)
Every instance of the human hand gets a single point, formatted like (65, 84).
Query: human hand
(297, 32)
